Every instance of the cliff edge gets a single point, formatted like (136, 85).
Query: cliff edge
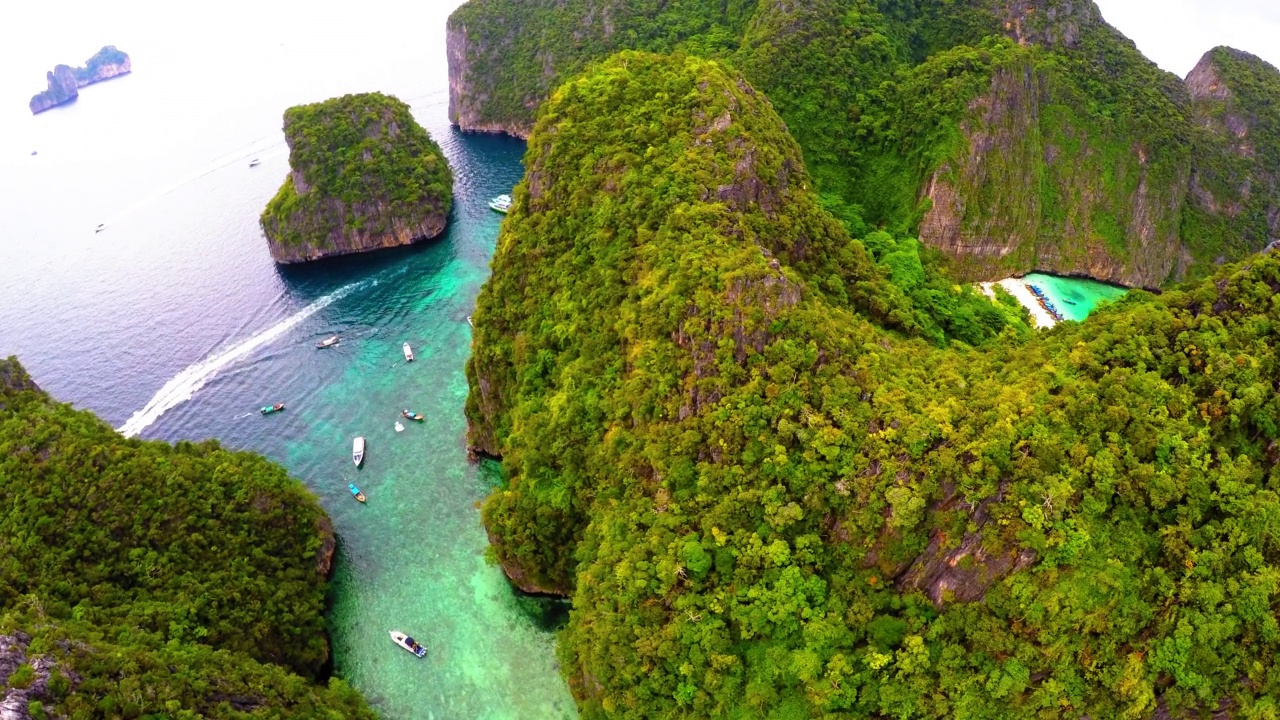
(365, 176)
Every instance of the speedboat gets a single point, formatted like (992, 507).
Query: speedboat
(502, 204)
(411, 415)
(357, 451)
(408, 643)
(408, 353)
(272, 409)
(254, 162)
(469, 321)
(355, 492)
(327, 342)
(100, 228)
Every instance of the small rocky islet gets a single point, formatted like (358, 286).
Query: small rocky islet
(364, 175)
(65, 81)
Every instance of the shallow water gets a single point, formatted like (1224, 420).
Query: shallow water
(1075, 298)
(173, 323)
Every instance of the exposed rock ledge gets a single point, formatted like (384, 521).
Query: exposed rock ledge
(65, 81)
(15, 702)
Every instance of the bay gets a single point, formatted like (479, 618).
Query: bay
(173, 323)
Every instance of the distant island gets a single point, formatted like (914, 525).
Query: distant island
(65, 81)
(365, 176)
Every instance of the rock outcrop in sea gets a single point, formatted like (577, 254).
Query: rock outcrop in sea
(365, 176)
(65, 81)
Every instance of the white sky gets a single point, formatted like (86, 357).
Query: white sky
(1176, 33)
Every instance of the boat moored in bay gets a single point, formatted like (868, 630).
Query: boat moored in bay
(408, 353)
(411, 415)
(269, 409)
(328, 342)
(408, 643)
(355, 492)
(357, 451)
(501, 204)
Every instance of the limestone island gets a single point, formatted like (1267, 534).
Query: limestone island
(65, 81)
(364, 176)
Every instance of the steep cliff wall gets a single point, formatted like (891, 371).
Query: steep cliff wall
(1107, 155)
(63, 88)
(1048, 177)
(64, 81)
(365, 176)
(1235, 186)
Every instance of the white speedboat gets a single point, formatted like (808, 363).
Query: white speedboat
(100, 228)
(502, 204)
(408, 643)
(408, 353)
(254, 162)
(327, 342)
(357, 451)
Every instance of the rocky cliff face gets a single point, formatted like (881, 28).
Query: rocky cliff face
(1234, 203)
(63, 88)
(31, 676)
(467, 99)
(365, 176)
(1037, 188)
(1077, 160)
(65, 81)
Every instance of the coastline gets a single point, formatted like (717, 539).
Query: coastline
(1018, 288)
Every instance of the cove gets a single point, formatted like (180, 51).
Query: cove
(1074, 297)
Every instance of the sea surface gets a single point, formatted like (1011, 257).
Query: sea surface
(173, 322)
(1075, 298)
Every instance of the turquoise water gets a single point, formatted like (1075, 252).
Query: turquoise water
(174, 323)
(1075, 298)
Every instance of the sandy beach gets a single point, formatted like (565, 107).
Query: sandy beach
(1018, 289)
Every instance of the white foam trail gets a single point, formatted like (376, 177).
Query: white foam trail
(187, 383)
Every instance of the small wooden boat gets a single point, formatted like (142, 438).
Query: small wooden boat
(272, 409)
(408, 353)
(408, 643)
(328, 342)
(357, 451)
(355, 492)
(411, 415)
(254, 162)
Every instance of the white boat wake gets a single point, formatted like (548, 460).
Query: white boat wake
(187, 383)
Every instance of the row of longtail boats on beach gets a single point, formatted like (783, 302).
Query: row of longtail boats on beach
(1047, 304)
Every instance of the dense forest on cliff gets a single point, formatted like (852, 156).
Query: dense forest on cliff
(768, 498)
(363, 169)
(1011, 135)
(156, 580)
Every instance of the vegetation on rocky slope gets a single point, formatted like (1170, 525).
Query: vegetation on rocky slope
(159, 580)
(1012, 135)
(1235, 191)
(365, 175)
(765, 504)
